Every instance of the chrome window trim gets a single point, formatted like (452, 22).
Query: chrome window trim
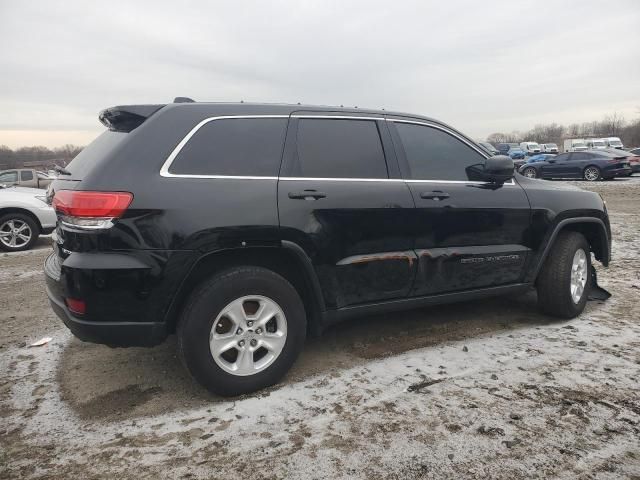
(347, 117)
(164, 170)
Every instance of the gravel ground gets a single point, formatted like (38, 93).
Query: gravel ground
(484, 389)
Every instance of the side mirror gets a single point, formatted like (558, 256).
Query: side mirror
(497, 169)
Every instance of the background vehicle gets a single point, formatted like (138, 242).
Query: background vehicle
(530, 148)
(574, 145)
(595, 144)
(518, 156)
(321, 214)
(632, 158)
(590, 165)
(24, 215)
(489, 148)
(25, 177)
(549, 148)
(541, 157)
(614, 142)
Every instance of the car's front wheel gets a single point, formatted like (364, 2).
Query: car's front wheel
(591, 174)
(530, 172)
(241, 330)
(17, 232)
(564, 281)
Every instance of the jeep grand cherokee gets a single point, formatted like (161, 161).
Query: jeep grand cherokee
(242, 227)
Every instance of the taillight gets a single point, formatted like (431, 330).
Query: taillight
(90, 210)
(79, 307)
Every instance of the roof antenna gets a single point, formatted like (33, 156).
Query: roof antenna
(183, 100)
(241, 101)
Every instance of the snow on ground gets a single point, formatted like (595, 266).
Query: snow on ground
(485, 389)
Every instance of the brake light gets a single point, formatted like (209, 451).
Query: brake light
(90, 210)
(76, 306)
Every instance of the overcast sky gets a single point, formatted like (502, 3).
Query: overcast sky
(482, 66)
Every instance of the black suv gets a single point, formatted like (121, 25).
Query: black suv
(242, 227)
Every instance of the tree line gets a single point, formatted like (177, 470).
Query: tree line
(611, 126)
(10, 158)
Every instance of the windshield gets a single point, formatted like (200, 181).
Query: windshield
(598, 143)
(95, 152)
(615, 142)
(579, 145)
(551, 145)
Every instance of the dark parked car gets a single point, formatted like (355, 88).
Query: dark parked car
(591, 165)
(242, 227)
(632, 157)
(504, 148)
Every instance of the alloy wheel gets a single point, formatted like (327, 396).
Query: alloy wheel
(15, 233)
(530, 172)
(248, 335)
(578, 275)
(592, 174)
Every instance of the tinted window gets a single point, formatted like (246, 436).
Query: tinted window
(9, 177)
(561, 158)
(235, 146)
(435, 155)
(95, 152)
(26, 175)
(580, 156)
(337, 148)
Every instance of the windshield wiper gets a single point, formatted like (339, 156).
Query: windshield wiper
(61, 170)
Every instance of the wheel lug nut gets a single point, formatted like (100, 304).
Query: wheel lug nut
(250, 323)
(258, 330)
(239, 331)
(254, 342)
(241, 343)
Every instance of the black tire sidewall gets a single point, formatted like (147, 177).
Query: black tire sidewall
(35, 231)
(204, 307)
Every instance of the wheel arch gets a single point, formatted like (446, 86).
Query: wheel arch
(593, 229)
(288, 260)
(23, 211)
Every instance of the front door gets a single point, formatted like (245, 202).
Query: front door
(341, 199)
(468, 234)
(557, 167)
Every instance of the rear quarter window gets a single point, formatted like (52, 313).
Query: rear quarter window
(94, 153)
(233, 147)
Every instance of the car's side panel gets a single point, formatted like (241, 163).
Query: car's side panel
(355, 234)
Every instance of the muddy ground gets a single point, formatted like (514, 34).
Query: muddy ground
(484, 389)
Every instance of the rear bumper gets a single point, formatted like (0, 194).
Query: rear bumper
(115, 334)
(616, 172)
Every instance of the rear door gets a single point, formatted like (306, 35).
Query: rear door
(468, 234)
(341, 198)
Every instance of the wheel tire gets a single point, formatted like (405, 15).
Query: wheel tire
(530, 172)
(554, 280)
(24, 220)
(206, 304)
(591, 174)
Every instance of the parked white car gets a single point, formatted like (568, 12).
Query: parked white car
(595, 143)
(574, 145)
(549, 148)
(530, 148)
(613, 142)
(24, 216)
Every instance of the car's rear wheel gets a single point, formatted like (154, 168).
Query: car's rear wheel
(241, 330)
(17, 232)
(591, 174)
(530, 172)
(564, 281)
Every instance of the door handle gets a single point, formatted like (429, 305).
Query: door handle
(435, 195)
(307, 195)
